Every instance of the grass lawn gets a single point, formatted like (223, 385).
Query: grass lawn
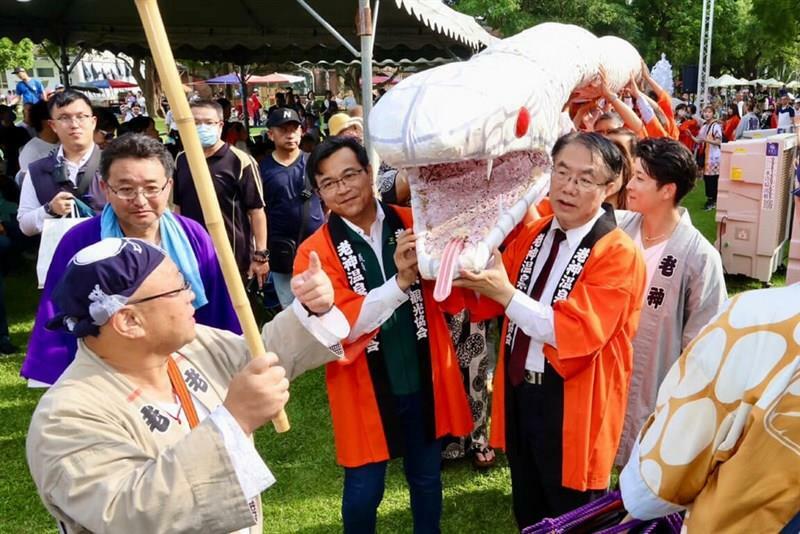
(307, 495)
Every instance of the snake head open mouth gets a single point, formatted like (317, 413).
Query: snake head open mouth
(463, 210)
(475, 136)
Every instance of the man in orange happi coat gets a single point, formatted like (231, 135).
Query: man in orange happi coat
(570, 286)
(399, 388)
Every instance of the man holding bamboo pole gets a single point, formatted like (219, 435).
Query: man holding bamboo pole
(150, 428)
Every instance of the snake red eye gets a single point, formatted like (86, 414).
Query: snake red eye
(523, 122)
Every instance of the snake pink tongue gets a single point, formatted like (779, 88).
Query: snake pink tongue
(447, 269)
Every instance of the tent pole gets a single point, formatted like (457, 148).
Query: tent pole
(365, 33)
(168, 72)
(243, 84)
(65, 70)
(328, 27)
(374, 25)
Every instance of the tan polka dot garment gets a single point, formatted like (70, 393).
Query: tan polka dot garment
(725, 437)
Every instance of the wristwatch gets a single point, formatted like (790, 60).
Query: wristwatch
(260, 256)
(48, 210)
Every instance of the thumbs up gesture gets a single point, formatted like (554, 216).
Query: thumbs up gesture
(313, 288)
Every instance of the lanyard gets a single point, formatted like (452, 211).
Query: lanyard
(184, 397)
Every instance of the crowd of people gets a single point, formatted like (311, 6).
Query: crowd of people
(601, 294)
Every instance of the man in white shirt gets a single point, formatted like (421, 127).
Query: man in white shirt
(785, 113)
(401, 389)
(45, 142)
(69, 176)
(570, 286)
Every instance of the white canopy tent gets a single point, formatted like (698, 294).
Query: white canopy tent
(769, 82)
(726, 80)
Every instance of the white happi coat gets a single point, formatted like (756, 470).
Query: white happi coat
(686, 291)
(102, 462)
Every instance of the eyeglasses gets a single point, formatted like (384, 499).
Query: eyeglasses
(206, 122)
(583, 184)
(166, 294)
(67, 120)
(348, 179)
(130, 193)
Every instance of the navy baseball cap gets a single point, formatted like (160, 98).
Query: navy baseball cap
(281, 116)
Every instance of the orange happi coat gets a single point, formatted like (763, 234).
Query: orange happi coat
(357, 423)
(594, 327)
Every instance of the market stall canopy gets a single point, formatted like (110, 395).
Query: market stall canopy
(249, 31)
(380, 78)
(793, 85)
(235, 79)
(112, 84)
(85, 87)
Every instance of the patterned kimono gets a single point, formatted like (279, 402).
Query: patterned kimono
(106, 458)
(724, 440)
(472, 349)
(713, 153)
(686, 291)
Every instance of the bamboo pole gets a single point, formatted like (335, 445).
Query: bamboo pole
(168, 73)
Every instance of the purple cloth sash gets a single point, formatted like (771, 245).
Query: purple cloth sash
(603, 516)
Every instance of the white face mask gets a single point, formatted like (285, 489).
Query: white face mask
(209, 135)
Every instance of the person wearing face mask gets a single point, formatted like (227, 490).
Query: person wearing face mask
(238, 187)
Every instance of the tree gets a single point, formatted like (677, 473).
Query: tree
(16, 55)
(147, 82)
(750, 36)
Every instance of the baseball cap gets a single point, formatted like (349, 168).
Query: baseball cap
(342, 121)
(281, 116)
(19, 69)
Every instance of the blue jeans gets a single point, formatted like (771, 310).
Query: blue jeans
(283, 288)
(363, 486)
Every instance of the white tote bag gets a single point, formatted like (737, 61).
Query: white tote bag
(52, 232)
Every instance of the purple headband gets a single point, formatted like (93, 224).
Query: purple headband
(98, 281)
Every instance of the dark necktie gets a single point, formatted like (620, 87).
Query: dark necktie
(519, 350)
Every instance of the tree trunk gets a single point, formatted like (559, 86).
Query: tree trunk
(351, 75)
(151, 95)
(147, 83)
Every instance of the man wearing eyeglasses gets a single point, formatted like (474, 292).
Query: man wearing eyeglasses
(399, 390)
(66, 181)
(137, 179)
(150, 429)
(571, 289)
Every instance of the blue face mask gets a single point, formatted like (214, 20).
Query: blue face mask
(209, 135)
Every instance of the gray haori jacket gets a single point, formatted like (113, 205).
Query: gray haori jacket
(686, 291)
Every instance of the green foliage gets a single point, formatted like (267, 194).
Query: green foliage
(16, 54)
(751, 37)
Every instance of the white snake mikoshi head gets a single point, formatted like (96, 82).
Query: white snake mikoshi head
(475, 136)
